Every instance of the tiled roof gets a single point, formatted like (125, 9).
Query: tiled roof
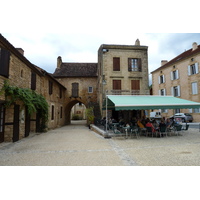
(180, 57)
(76, 70)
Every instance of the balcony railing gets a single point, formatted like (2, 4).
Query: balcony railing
(129, 92)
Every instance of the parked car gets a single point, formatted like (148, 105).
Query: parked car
(185, 117)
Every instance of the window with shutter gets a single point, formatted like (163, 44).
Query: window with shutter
(194, 88)
(33, 81)
(134, 64)
(116, 64)
(75, 90)
(52, 112)
(117, 86)
(4, 62)
(135, 87)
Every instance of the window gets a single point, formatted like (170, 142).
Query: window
(61, 112)
(194, 88)
(161, 79)
(174, 75)
(4, 62)
(90, 89)
(196, 110)
(60, 92)
(177, 110)
(50, 87)
(193, 69)
(164, 110)
(134, 65)
(162, 92)
(33, 81)
(135, 87)
(117, 87)
(116, 64)
(75, 90)
(176, 92)
(52, 112)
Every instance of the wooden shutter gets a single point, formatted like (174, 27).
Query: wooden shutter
(196, 68)
(139, 64)
(4, 62)
(116, 64)
(129, 64)
(189, 71)
(75, 88)
(116, 84)
(33, 80)
(135, 84)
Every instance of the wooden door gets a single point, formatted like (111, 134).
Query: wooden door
(27, 123)
(2, 114)
(16, 123)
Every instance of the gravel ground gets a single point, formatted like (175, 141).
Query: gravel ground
(76, 145)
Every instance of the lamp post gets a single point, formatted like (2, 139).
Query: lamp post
(106, 136)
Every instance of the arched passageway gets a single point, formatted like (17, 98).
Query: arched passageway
(69, 108)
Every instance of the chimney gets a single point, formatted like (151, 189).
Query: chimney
(194, 46)
(137, 42)
(59, 61)
(163, 62)
(20, 50)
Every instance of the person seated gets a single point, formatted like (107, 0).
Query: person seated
(162, 123)
(168, 124)
(149, 124)
(139, 123)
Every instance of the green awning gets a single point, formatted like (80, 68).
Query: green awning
(142, 102)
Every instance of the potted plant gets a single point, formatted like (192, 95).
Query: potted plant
(90, 116)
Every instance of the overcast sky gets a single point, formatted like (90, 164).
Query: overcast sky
(75, 29)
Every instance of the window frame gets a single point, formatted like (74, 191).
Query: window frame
(116, 64)
(137, 67)
(90, 89)
(194, 88)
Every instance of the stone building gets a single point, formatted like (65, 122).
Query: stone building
(179, 77)
(15, 123)
(80, 79)
(123, 70)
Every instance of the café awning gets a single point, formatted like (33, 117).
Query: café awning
(143, 102)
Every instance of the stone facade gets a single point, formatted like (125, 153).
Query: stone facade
(123, 65)
(84, 75)
(20, 74)
(180, 74)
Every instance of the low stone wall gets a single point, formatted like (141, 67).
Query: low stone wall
(97, 130)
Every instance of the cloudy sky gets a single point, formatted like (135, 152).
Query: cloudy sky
(75, 29)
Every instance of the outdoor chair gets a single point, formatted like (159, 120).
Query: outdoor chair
(135, 131)
(186, 128)
(142, 131)
(149, 131)
(177, 129)
(163, 131)
(117, 132)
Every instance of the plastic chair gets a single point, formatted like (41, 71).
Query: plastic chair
(149, 131)
(177, 129)
(135, 131)
(163, 131)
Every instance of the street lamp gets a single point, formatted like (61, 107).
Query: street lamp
(106, 134)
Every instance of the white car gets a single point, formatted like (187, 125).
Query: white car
(185, 117)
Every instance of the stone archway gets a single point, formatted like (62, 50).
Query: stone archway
(68, 110)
